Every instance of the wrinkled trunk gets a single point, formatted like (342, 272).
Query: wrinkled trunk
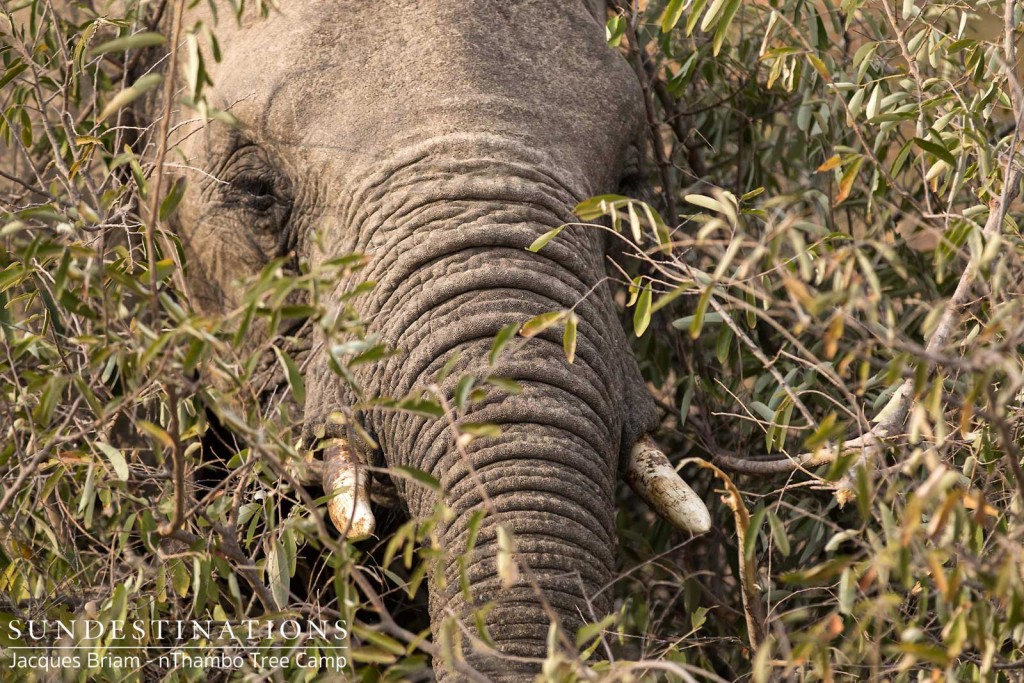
(452, 269)
(548, 479)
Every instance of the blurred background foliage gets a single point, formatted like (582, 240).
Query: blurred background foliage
(821, 267)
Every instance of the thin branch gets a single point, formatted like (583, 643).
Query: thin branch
(177, 465)
(161, 152)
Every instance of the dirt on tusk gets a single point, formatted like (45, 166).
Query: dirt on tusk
(652, 477)
(349, 484)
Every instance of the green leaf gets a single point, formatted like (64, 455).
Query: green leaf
(201, 570)
(676, 292)
(26, 129)
(16, 67)
(614, 30)
(697, 324)
(132, 42)
(130, 94)
(839, 538)
(753, 530)
(295, 380)
(698, 617)
(379, 639)
(694, 15)
(157, 433)
(371, 655)
(509, 385)
(421, 406)
(501, 340)
(569, 338)
(418, 476)
(779, 534)
(596, 207)
(536, 325)
(642, 313)
(173, 198)
(116, 459)
(723, 26)
(462, 391)
(936, 150)
(179, 577)
(371, 355)
(670, 17)
(705, 202)
(723, 344)
(750, 195)
(480, 429)
(539, 243)
(709, 17)
(588, 632)
(277, 573)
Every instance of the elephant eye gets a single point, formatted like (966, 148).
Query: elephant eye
(258, 195)
(255, 183)
(257, 191)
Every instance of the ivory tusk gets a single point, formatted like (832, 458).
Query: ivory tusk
(348, 484)
(652, 477)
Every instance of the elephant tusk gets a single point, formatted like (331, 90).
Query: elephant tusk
(348, 484)
(652, 477)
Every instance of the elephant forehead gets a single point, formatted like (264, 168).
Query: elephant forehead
(364, 78)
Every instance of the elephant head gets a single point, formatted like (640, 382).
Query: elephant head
(442, 138)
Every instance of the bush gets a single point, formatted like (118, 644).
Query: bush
(822, 283)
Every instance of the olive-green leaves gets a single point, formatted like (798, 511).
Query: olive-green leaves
(835, 170)
(717, 17)
(539, 243)
(501, 340)
(135, 41)
(130, 94)
(615, 29)
(539, 324)
(544, 321)
(639, 216)
(569, 337)
(642, 312)
(116, 459)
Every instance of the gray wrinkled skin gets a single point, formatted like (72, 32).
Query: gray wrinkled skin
(442, 138)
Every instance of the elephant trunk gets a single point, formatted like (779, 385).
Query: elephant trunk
(449, 242)
(543, 551)
(544, 487)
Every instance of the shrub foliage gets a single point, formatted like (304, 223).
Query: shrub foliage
(820, 270)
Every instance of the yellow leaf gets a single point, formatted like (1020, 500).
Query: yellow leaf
(569, 338)
(536, 325)
(820, 67)
(833, 162)
(849, 176)
(832, 336)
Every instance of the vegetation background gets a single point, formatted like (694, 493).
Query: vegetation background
(823, 277)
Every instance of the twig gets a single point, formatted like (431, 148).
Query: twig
(161, 153)
(177, 465)
(753, 610)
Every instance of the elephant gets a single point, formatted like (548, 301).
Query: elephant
(441, 138)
